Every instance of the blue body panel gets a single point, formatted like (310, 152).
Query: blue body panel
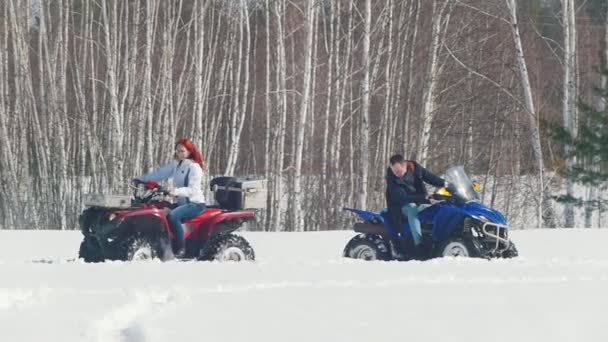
(445, 216)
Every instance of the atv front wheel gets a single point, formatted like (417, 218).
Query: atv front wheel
(367, 247)
(455, 248)
(144, 248)
(90, 250)
(228, 247)
(511, 252)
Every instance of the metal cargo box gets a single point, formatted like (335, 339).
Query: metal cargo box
(255, 193)
(108, 201)
(238, 193)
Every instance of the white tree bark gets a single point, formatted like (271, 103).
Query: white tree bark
(238, 118)
(269, 111)
(344, 67)
(593, 194)
(410, 87)
(298, 215)
(146, 122)
(569, 101)
(115, 137)
(281, 81)
(440, 19)
(8, 178)
(331, 43)
(365, 86)
(199, 106)
(545, 212)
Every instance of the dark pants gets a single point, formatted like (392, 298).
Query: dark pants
(181, 213)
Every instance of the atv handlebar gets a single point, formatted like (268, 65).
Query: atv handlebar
(153, 191)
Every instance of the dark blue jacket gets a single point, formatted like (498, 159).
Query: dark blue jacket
(408, 189)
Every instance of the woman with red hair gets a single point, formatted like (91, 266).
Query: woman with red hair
(187, 172)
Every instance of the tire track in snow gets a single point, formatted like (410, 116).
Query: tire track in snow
(22, 298)
(127, 323)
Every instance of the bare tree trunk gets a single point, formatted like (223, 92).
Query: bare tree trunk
(8, 177)
(269, 111)
(364, 147)
(331, 41)
(212, 124)
(440, 18)
(115, 138)
(410, 88)
(570, 96)
(298, 215)
(238, 118)
(282, 111)
(146, 121)
(593, 194)
(546, 216)
(344, 68)
(199, 106)
(392, 83)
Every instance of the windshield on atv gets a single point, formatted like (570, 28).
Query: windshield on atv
(462, 183)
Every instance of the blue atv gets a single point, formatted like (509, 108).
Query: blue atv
(455, 224)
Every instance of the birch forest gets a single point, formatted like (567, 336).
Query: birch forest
(314, 96)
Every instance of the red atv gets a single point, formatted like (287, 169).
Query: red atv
(136, 228)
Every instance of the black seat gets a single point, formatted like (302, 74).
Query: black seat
(231, 200)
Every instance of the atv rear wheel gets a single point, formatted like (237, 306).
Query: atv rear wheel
(90, 250)
(455, 248)
(367, 247)
(228, 247)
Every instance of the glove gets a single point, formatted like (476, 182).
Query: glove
(151, 185)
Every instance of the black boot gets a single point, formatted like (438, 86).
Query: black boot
(178, 250)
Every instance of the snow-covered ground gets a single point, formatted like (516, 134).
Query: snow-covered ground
(300, 289)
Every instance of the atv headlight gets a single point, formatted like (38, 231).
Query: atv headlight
(481, 218)
(443, 192)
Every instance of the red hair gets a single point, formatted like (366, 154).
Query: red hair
(195, 154)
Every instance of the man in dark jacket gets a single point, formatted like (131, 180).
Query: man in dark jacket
(405, 192)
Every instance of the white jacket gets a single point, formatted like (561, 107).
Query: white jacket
(181, 171)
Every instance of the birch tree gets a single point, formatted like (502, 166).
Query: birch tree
(115, 133)
(592, 193)
(298, 215)
(545, 214)
(281, 104)
(238, 116)
(93, 93)
(441, 18)
(570, 95)
(364, 148)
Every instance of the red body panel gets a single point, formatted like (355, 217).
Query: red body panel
(201, 229)
(197, 228)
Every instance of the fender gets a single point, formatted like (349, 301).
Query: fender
(478, 209)
(149, 221)
(367, 216)
(447, 220)
(377, 229)
(225, 222)
(450, 217)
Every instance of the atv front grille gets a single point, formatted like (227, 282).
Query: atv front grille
(497, 234)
